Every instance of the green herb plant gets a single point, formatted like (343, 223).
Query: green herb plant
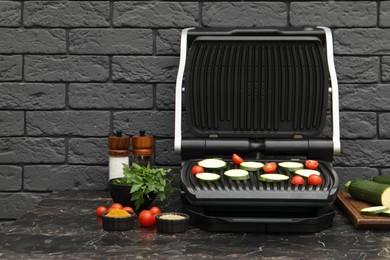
(145, 180)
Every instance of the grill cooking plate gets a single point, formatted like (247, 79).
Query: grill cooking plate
(253, 192)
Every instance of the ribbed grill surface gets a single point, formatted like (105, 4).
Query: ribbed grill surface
(254, 190)
(253, 184)
(256, 87)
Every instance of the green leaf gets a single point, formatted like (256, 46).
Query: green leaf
(136, 166)
(135, 187)
(150, 189)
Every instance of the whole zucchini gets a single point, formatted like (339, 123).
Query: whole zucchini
(369, 191)
(382, 179)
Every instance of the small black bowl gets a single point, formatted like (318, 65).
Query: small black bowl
(120, 193)
(118, 224)
(165, 225)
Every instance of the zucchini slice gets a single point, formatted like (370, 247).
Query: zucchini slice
(237, 174)
(212, 164)
(385, 213)
(291, 166)
(208, 176)
(273, 177)
(251, 166)
(373, 210)
(306, 172)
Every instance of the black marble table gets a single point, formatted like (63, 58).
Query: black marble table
(64, 226)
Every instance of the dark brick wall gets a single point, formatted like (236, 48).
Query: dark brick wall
(73, 71)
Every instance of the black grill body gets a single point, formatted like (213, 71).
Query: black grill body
(258, 93)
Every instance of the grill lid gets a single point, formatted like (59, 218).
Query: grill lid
(253, 85)
(256, 86)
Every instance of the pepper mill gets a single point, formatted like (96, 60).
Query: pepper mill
(118, 151)
(143, 149)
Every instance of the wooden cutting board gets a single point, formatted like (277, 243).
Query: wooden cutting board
(352, 207)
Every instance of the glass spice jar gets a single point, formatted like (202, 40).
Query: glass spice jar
(118, 151)
(143, 149)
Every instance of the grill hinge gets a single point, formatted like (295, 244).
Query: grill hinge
(200, 148)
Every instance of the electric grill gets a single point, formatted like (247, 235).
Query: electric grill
(263, 94)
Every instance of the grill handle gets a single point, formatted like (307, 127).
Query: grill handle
(313, 149)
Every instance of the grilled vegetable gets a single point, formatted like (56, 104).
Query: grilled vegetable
(197, 169)
(385, 213)
(207, 176)
(251, 166)
(237, 174)
(237, 159)
(382, 179)
(314, 180)
(290, 166)
(269, 167)
(273, 177)
(306, 172)
(297, 180)
(369, 191)
(212, 164)
(373, 210)
(311, 164)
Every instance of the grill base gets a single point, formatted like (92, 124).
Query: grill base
(254, 206)
(263, 223)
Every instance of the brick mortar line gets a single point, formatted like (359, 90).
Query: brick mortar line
(200, 13)
(378, 13)
(22, 14)
(154, 42)
(97, 55)
(288, 5)
(111, 122)
(380, 70)
(109, 80)
(129, 27)
(111, 4)
(67, 106)
(155, 97)
(67, 41)
(23, 65)
(377, 124)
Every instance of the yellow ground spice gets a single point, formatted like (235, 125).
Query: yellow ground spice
(118, 213)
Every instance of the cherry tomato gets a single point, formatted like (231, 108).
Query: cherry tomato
(100, 210)
(314, 179)
(237, 159)
(311, 164)
(269, 167)
(197, 169)
(297, 180)
(129, 209)
(116, 206)
(155, 211)
(146, 218)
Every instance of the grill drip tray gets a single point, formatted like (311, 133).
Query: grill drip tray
(254, 206)
(277, 223)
